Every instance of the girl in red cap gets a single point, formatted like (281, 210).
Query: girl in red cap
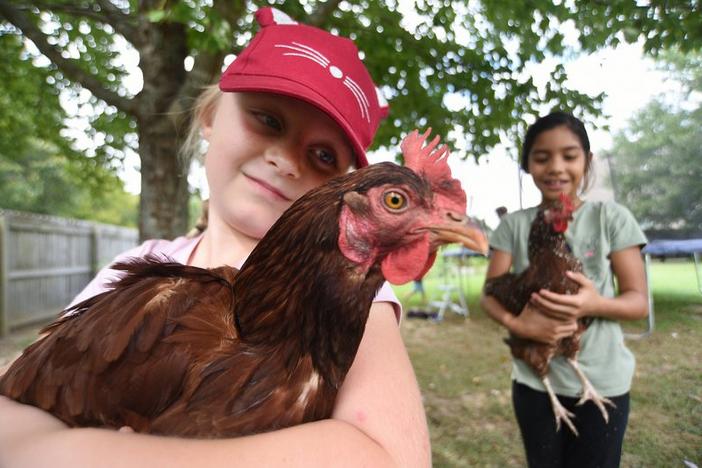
(295, 108)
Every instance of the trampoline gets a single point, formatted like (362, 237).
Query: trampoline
(665, 248)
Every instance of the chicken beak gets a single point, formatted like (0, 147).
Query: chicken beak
(464, 232)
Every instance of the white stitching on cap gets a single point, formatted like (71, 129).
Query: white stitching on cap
(305, 51)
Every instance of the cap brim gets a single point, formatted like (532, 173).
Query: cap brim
(279, 85)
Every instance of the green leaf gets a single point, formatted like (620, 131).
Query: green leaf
(156, 16)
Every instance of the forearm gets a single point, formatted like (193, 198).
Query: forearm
(629, 305)
(632, 301)
(497, 312)
(323, 443)
(530, 323)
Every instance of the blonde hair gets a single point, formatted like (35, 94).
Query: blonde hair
(202, 111)
(193, 147)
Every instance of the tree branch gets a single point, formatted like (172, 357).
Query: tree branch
(68, 67)
(230, 11)
(73, 10)
(108, 14)
(320, 17)
(123, 23)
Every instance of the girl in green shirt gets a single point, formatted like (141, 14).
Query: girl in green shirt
(607, 240)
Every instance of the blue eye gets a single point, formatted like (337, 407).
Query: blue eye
(269, 121)
(326, 158)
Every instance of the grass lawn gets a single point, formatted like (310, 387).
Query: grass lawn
(463, 369)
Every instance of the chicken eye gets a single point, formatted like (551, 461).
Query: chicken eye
(394, 200)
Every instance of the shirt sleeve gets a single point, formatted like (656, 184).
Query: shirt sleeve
(502, 237)
(386, 294)
(623, 229)
(107, 275)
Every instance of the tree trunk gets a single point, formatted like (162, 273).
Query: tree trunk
(163, 205)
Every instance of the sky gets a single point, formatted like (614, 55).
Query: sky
(628, 79)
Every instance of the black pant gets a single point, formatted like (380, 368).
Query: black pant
(598, 445)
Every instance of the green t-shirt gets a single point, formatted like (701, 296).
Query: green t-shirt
(597, 229)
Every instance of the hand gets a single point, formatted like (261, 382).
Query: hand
(532, 323)
(569, 306)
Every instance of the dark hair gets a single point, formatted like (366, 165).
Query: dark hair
(551, 121)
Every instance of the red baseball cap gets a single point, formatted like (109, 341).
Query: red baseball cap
(307, 63)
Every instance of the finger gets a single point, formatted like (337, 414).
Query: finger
(566, 299)
(551, 306)
(568, 308)
(564, 332)
(543, 311)
(568, 328)
(578, 277)
(556, 316)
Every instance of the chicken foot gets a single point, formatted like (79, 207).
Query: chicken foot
(559, 410)
(589, 392)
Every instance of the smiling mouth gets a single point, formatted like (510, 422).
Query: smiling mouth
(268, 188)
(555, 184)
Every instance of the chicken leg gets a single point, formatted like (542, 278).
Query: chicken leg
(559, 410)
(589, 392)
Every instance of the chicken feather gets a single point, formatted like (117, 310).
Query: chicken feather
(180, 350)
(550, 258)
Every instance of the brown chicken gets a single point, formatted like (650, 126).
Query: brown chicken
(181, 350)
(549, 258)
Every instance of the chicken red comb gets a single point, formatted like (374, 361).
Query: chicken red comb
(431, 163)
(561, 215)
(423, 159)
(566, 203)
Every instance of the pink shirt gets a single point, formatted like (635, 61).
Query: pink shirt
(179, 250)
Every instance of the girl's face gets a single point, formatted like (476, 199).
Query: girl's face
(266, 151)
(557, 163)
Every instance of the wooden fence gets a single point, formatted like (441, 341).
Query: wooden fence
(45, 261)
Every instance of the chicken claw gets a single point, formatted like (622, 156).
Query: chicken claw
(559, 410)
(589, 392)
